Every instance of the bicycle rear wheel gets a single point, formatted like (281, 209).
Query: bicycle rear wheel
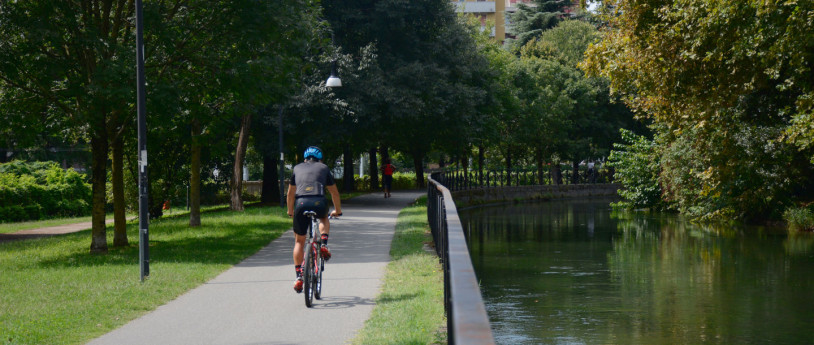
(320, 264)
(308, 275)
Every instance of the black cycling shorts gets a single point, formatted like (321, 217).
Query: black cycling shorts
(317, 204)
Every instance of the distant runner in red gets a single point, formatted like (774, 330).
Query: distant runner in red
(387, 177)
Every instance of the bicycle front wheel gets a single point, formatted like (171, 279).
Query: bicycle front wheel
(308, 275)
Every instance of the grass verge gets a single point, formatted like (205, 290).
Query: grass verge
(55, 292)
(410, 307)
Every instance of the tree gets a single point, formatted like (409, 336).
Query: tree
(727, 83)
(529, 22)
(231, 61)
(72, 57)
(423, 76)
(636, 161)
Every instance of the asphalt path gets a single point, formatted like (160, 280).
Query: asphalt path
(48, 231)
(255, 303)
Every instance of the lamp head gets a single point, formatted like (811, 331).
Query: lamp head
(333, 80)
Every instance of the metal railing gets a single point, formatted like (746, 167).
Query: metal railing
(456, 179)
(467, 322)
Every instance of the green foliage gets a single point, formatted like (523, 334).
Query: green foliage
(529, 22)
(401, 181)
(799, 218)
(566, 43)
(573, 112)
(31, 191)
(637, 169)
(727, 85)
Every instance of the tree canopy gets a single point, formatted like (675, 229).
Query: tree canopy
(728, 87)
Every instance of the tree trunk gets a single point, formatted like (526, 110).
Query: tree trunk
(418, 164)
(556, 173)
(240, 155)
(373, 169)
(119, 221)
(347, 175)
(480, 164)
(509, 166)
(99, 148)
(271, 188)
(195, 175)
(539, 158)
(574, 171)
(384, 152)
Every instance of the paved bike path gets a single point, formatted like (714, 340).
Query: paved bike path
(254, 302)
(49, 231)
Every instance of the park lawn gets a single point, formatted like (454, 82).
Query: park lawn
(53, 291)
(410, 307)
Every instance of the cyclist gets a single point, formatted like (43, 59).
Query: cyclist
(306, 192)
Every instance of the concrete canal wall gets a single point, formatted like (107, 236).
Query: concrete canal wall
(488, 195)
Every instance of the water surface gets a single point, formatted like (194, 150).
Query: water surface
(574, 272)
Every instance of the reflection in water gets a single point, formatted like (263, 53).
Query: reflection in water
(574, 272)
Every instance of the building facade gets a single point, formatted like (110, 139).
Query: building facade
(494, 12)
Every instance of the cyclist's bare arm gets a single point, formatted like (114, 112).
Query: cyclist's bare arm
(335, 198)
(289, 199)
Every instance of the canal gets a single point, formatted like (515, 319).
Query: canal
(575, 272)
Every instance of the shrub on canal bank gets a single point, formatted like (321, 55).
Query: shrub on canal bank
(799, 218)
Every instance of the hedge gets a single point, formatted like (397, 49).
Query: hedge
(401, 181)
(37, 190)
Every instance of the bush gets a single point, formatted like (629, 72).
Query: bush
(799, 219)
(36, 190)
(400, 181)
(637, 169)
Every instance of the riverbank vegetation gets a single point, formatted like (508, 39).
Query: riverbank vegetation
(726, 90)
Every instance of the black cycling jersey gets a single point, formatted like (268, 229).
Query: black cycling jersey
(311, 177)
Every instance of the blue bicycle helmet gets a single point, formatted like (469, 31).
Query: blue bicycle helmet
(313, 151)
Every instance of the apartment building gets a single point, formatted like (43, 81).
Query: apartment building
(493, 11)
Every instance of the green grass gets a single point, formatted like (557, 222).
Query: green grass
(410, 307)
(52, 291)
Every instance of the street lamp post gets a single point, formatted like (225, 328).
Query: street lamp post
(141, 99)
(282, 160)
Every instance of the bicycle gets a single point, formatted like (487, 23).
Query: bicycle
(314, 263)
